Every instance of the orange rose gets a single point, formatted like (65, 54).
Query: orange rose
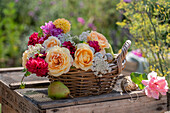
(98, 37)
(51, 42)
(59, 60)
(83, 57)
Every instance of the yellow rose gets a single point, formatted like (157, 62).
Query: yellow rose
(59, 60)
(51, 42)
(103, 42)
(83, 57)
(25, 58)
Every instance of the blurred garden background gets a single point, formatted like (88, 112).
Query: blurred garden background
(20, 18)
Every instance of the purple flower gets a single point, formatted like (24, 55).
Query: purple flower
(50, 29)
(30, 13)
(92, 26)
(40, 2)
(127, 1)
(16, 1)
(81, 20)
(52, 2)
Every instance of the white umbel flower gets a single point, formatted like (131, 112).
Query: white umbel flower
(100, 65)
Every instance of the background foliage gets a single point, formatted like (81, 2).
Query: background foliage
(148, 22)
(20, 18)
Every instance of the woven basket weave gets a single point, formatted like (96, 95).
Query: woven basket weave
(85, 83)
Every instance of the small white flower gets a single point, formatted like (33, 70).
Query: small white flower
(65, 37)
(100, 65)
(83, 36)
(32, 50)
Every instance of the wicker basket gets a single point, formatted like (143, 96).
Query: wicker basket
(85, 83)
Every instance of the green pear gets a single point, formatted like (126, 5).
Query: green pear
(57, 90)
(109, 50)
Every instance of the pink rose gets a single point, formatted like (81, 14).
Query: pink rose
(155, 85)
(37, 66)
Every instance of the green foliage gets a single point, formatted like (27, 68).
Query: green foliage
(9, 33)
(137, 79)
(148, 22)
(168, 80)
(27, 73)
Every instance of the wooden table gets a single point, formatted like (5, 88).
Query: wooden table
(34, 98)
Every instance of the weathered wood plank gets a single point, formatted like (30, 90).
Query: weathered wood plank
(30, 84)
(11, 69)
(41, 98)
(143, 105)
(15, 101)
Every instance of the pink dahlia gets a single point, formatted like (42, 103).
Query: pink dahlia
(155, 85)
(33, 39)
(50, 29)
(95, 45)
(69, 45)
(37, 66)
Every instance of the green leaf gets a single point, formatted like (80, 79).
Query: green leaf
(24, 70)
(27, 73)
(137, 79)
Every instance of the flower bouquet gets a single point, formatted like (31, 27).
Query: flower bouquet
(85, 63)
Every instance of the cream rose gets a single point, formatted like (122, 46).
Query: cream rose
(103, 42)
(59, 60)
(25, 58)
(51, 42)
(83, 57)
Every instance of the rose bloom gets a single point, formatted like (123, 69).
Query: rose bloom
(83, 57)
(95, 36)
(24, 58)
(155, 85)
(37, 66)
(51, 42)
(59, 60)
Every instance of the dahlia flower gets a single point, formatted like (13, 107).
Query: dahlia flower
(62, 24)
(69, 45)
(37, 66)
(33, 39)
(95, 45)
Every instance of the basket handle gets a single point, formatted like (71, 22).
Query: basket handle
(122, 55)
